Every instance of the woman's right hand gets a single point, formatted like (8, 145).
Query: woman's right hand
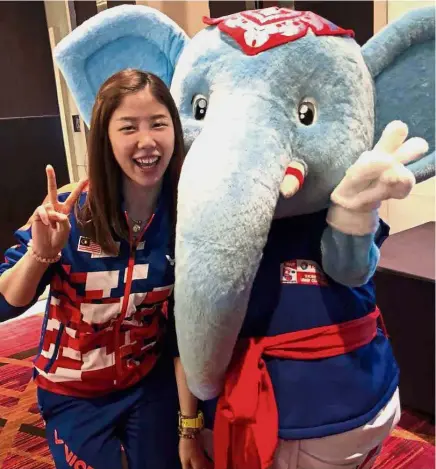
(50, 223)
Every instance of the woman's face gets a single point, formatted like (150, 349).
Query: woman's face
(141, 133)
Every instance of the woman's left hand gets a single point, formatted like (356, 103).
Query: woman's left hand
(192, 455)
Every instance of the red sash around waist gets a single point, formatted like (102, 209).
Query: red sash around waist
(246, 420)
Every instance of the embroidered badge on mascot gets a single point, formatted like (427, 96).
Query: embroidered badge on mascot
(302, 272)
(258, 30)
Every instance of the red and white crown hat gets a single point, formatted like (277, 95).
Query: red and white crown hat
(258, 30)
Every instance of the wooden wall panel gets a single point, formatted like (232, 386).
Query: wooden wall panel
(356, 15)
(221, 8)
(30, 128)
(114, 3)
(27, 145)
(27, 86)
(84, 10)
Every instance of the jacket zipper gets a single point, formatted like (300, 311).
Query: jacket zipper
(128, 287)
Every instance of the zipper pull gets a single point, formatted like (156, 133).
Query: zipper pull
(171, 261)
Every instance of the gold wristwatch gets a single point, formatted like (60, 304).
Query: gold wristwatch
(196, 423)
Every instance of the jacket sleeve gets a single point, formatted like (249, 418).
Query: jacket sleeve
(11, 257)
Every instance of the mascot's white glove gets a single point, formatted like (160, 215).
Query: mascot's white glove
(377, 175)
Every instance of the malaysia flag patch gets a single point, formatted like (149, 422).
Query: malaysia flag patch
(87, 245)
(302, 272)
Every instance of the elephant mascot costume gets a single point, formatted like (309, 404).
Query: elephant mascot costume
(294, 136)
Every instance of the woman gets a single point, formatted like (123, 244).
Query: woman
(105, 370)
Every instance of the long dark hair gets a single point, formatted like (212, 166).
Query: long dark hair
(101, 216)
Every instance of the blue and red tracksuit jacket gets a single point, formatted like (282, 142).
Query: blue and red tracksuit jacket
(106, 316)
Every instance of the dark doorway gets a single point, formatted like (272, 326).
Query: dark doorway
(30, 127)
(355, 15)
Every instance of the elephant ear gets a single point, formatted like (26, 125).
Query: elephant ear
(401, 59)
(126, 36)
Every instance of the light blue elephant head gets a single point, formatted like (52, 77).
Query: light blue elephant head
(319, 100)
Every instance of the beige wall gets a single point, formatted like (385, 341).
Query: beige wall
(188, 14)
(397, 8)
(60, 22)
(419, 207)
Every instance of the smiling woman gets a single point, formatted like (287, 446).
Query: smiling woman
(141, 132)
(142, 138)
(106, 251)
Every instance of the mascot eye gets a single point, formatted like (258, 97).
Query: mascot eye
(199, 107)
(307, 112)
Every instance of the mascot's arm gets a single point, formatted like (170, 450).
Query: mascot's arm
(347, 259)
(349, 252)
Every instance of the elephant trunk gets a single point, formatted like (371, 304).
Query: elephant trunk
(228, 192)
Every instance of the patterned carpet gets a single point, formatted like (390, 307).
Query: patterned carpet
(22, 442)
(410, 446)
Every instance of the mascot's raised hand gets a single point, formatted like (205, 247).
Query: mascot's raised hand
(378, 175)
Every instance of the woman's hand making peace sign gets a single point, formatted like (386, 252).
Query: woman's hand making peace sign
(50, 223)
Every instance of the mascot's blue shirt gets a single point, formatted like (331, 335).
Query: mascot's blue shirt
(291, 293)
